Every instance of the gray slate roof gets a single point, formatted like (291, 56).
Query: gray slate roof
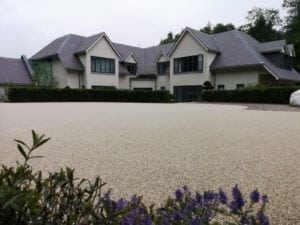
(233, 48)
(63, 48)
(239, 50)
(273, 46)
(85, 43)
(14, 71)
(205, 39)
(145, 56)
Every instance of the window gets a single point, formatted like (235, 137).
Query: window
(102, 87)
(162, 88)
(188, 64)
(162, 67)
(221, 87)
(131, 67)
(240, 86)
(102, 65)
(142, 89)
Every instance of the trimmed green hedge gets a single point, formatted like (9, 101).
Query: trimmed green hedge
(85, 95)
(278, 95)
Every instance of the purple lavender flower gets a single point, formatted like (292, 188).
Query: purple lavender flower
(238, 201)
(255, 196)
(147, 221)
(178, 195)
(265, 198)
(208, 197)
(222, 197)
(178, 216)
(121, 203)
(196, 221)
(134, 199)
(125, 221)
(198, 198)
(263, 219)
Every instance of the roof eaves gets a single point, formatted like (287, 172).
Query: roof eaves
(271, 72)
(235, 66)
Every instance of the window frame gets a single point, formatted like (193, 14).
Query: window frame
(101, 65)
(129, 66)
(160, 67)
(183, 65)
(240, 86)
(221, 87)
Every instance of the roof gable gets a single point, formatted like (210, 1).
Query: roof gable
(203, 39)
(88, 43)
(131, 59)
(161, 57)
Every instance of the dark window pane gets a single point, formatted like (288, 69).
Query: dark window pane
(131, 67)
(240, 86)
(162, 67)
(93, 64)
(188, 64)
(102, 65)
(221, 87)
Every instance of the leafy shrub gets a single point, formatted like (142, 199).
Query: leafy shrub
(85, 95)
(278, 95)
(207, 85)
(28, 197)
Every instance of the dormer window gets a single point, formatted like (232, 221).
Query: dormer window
(131, 67)
(162, 67)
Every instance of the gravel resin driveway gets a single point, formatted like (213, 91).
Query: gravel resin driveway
(151, 149)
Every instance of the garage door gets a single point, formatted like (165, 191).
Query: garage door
(187, 93)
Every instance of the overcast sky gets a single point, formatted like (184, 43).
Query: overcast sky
(28, 25)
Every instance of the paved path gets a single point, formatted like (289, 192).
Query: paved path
(151, 149)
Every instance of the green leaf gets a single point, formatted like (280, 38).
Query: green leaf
(22, 143)
(11, 201)
(41, 143)
(21, 150)
(34, 137)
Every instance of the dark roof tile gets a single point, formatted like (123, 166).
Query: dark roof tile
(14, 71)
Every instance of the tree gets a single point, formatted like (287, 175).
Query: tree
(219, 28)
(263, 24)
(42, 74)
(207, 29)
(292, 26)
(170, 38)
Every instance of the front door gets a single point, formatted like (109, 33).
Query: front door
(187, 93)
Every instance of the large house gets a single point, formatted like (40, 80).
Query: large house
(229, 60)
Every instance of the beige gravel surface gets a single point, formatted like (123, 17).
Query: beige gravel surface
(151, 149)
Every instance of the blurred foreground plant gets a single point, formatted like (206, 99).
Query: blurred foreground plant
(28, 197)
